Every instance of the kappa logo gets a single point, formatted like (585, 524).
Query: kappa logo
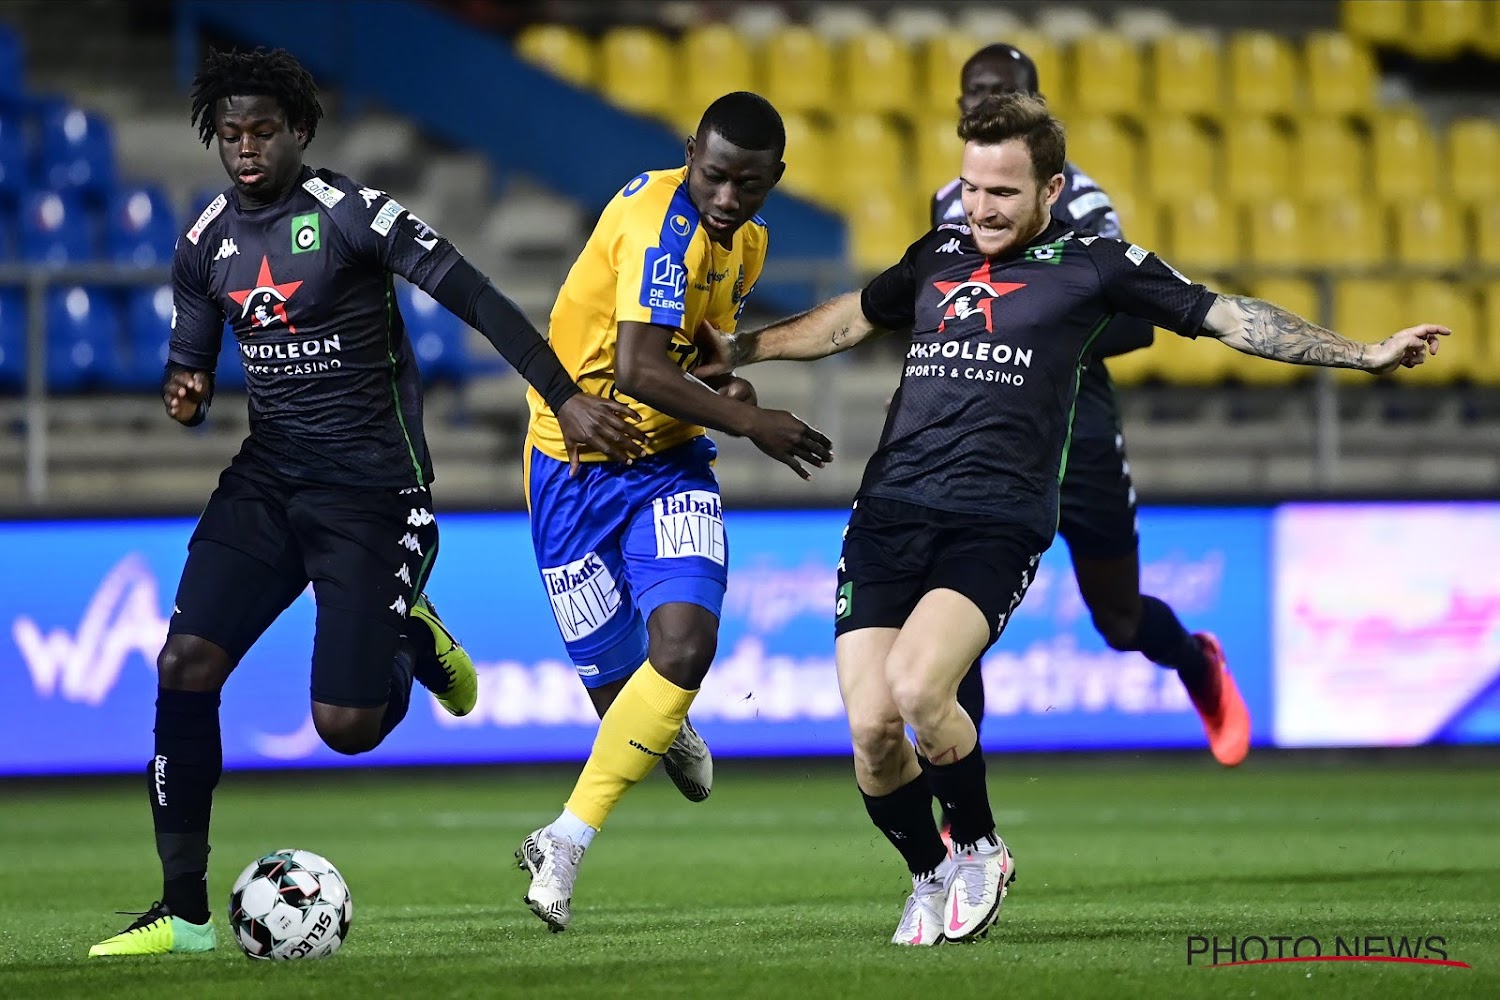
(403, 574)
(370, 196)
(412, 543)
(399, 606)
(419, 517)
(227, 249)
(950, 247)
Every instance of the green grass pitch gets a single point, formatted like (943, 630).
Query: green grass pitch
(779, 887)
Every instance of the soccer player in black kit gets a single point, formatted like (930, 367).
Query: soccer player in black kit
(332, 485)
(1097, 516)
(961, 497)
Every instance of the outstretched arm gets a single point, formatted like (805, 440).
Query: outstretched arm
(1256, 327)
(834, 326)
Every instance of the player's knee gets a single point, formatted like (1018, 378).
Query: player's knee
(920, 700)
(1119, 628)
(188, 663)
(684, 656)
(347, 731)
(877, 742)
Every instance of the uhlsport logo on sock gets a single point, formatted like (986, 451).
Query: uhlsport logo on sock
(645, 749)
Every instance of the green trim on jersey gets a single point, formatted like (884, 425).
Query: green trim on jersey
(390, 355)
(1062, 468)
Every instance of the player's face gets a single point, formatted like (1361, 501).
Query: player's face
(261, 152)
(728, 184)
(988, 80)
(1006, 205)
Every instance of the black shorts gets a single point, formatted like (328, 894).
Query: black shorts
(261, 541)
(1097, 516)
(894, 553)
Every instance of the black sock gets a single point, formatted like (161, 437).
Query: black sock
(905, 817)
(181, 780)
(971, 700)
(1162, 640)
(399, 700)
(961, 791)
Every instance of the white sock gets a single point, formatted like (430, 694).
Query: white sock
(570, 827)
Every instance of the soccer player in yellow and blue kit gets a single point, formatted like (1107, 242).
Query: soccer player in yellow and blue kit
(633, 556)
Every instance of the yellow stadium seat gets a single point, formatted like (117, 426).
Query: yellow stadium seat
(1180, 160)
(715, 61)
(1106, 152)
(1279, 233)
(1489, 31)
(1442, 29)
(1473, 160)
(939, 152)
(940, 60)
(1051, 71)
(637, 71)
(880, 229)
(1365, 309)
(1431, 232)
(1451, 305)
(1487, 353)
(1257, 159)
(1352, 232)
(1341, 75)
(560, 50)
(1404, 156)
(1106, 76)
(1264, 77)
(868, 153)
(1202, 234)
(876, 74)
(1139, 220)
(1185, 77)
(810, 169)
(797, 71)
(1297, 295)
(1134, 368)
(1485, 225)
(1330, 159)
(1184, 361)
(1380, 22)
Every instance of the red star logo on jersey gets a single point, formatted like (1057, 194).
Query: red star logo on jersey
(975, 294)
(265, 304)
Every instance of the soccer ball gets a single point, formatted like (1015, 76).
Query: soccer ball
(290, 904)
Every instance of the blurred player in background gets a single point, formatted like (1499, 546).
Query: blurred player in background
(634, 556)
(960, 499)
(1097, 516)
(332, 485)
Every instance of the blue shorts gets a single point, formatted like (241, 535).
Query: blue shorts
(616, 542)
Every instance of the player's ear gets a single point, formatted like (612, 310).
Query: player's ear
(780, 169)
(687, 150)
(1054, 188)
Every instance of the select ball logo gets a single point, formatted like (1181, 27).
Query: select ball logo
(289, 905)
(305, 234)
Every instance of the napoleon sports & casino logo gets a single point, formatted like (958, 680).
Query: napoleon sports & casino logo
(1217, 951)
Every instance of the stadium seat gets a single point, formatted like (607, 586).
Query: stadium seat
(797, 71)
(83, 338)
(13, 335)
(1341, 75)
(1379, 22)
(1330, 159)
(1179, 160)
(1352, 233)
(1473, 160)
(12, 79)
(981, 24)
(229, 374)
(1403, 155)
(562, 51)
(1107, 152)
(12, 159)
(810, 170)
(1257, 159)
(1264, 75)
(882, 224)
(1431, 232)
(918, 23)
(1184, 361)
(1485, 225)
(1134, 368)
(1297, 295)
(939, 61)
(938, 152)
(437, 336)
(1487, 357)
(1052, 71)
(1202, 234)
(1451, 304)
(148, 325)
(1106, 76)
(76, 152)
(1185, 76)
(55, 229)
(714, 61)
(1365, 309)
(637, 71)
(1441, 29)
(876, 75)
(1139, 220)
(139, 226)
(1489, 31)
(1278, 232)
(868, 153)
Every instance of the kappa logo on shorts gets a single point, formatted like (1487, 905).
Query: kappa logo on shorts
(404, 574)
(412, 543)
(419, 517)
(399, 606)
(584, 596)
(843, 607)
(690, 524)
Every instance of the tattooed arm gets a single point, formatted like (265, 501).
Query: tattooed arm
(1264, 330)
(834, 326)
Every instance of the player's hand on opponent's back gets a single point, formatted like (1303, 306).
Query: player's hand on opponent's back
(183, 393)
(602, 425)
(1404, 349)
(788, 439)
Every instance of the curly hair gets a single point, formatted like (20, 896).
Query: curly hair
(1019, 116)
(275, 73)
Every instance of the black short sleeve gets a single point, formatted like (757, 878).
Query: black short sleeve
(1136, 282)
(197, 321)
(890, 300)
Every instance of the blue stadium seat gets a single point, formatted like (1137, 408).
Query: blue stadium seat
(77, 151)
(437, 336)
(148, 322)
(12, 159)
(83, 339)
(12, 340)
(12, 84)
(230, 375)
(55, 229)
(139, 226)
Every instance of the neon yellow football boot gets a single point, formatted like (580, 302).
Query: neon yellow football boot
(451, 679)
(158, 932)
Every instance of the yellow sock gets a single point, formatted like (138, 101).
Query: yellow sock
(634, 733)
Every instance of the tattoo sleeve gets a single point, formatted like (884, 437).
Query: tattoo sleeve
(1272, 332)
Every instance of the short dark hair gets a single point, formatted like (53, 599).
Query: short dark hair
(747, 120)
(274, 72)
(1004, 54)
(1019, 116)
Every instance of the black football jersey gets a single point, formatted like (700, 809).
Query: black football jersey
(981, 421)
(305, 285)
